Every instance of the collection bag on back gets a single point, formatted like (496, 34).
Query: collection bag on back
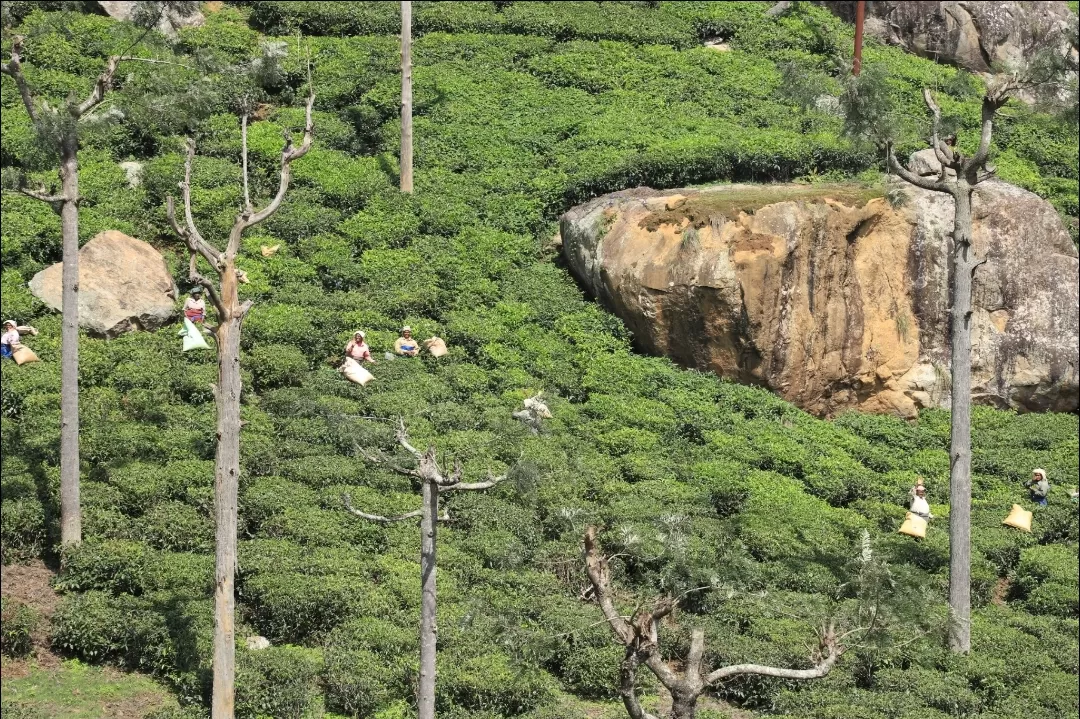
(193, 339)
(913, 526)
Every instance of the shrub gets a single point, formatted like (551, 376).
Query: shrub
(1047, 578)
(279, 682)
(491, 682)
(369, 664)
(18, 622)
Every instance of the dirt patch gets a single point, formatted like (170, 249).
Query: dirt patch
(728, 203)
(30, 585)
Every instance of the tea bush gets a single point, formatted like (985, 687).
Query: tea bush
(520, 111)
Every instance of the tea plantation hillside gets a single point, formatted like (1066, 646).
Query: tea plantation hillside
(521, 112)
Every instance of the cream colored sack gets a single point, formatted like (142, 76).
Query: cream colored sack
(354, 372)
(23, 354)
(436, 347)
(913, 526)
(1019, 518)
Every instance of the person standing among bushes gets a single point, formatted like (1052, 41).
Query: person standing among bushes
(357, 349)
(1038, 486)
(405, 344)
(195, 306)
(919, 505)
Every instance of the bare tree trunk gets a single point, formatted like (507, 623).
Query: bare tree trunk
(960, 440)
(406, 99)
(226, 483)
(684, 705)
(425, 696)
(70, 514)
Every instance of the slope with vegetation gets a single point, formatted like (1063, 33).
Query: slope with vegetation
(521, 112)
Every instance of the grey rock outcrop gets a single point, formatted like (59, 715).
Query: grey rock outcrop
(124, 285)
(169, 24)
(833, 298)
(968, 33)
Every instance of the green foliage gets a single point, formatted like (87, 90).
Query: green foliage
(18, 622)
(520, 110)
(279, 682)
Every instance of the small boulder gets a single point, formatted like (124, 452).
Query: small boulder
(124, 285)
(925, 163)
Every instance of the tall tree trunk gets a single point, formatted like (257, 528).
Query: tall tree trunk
(226, 483)
(960, 440)
(425, 696)
(406, 98)
(70, 514)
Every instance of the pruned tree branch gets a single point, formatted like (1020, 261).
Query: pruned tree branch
(289, 154)
(101, 87)
(830, 651)
(640, 637)
(596, 567)
(244, 156)
(990, 105)
(42, 195)
(911, 178)
(13, 69)
(347, 501)
(402, 438)
(946, 160)
(190, 232)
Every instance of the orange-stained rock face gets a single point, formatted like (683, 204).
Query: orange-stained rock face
(833, 298)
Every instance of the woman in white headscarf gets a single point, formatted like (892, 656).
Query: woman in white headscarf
(357, 349)
(1038, 486)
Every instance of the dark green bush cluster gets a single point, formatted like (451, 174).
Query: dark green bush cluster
(18, 622)
(698, 483)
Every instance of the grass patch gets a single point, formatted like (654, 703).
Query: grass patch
(729, 201)
(74, 690)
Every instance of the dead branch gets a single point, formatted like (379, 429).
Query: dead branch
(829, 651)
(42, 195)
(289, 154)
(101, 86)
(347, 501)
(13, 69)
(910, 177)
(639, 636)
(190, 233)
(946, 159)
(990, 105)
(244, 156)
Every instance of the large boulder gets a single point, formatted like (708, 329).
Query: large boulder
(124, 285)
(832, 297)
(169, 22)
(971, 34)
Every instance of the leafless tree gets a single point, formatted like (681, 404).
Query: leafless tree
(59, 127)
(406, 98)
(638, 634)
(434, 480)
(230, 313)
(1041, 74)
